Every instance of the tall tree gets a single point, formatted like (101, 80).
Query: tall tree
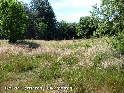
(43, 13)
(30, 32)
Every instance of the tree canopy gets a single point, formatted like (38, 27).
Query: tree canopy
(43, 13)
(13, 20)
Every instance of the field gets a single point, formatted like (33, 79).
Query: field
(67, 66)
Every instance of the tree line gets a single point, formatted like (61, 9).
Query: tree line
(38, 21)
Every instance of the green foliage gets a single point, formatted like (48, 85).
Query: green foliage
(42, 30)
(66, 30)
(86, 27)
(30, 32)
(111, 18)
(13, 20)
(104, 28)
(118, 42)
(111, 22)
(43, 13)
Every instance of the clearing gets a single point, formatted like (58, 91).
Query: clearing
(81, 66)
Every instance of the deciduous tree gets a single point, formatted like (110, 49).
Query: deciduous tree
(13, 20)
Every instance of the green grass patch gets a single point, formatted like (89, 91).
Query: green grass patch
(72, 45)
(69, 60)
(100, 56)
(51, 72)
(18, 63)
(91, 80)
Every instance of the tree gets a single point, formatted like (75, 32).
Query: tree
(66, 30)
(31, 31)
(44, 13)
(86, 27)
(42, 30)
(111, 16)
(13, 20)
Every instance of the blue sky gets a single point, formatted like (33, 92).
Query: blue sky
(71, 10)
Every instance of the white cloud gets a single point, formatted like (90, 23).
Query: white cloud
(59, 4)
(72, 17)
(72, 10)
(75, 3)
(80, 3)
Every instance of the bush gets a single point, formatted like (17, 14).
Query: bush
(111, 17)
(118, 42)
(13, 20)
(86, 27)
(104, 29)
(66, 30)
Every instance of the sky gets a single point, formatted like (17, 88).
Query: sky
(71, 10)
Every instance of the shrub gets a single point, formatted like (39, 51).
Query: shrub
(13, 20)
(111, 17)
(86, 27)
(66, 30)
(118, 42)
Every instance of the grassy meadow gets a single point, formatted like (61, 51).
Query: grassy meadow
(84, 66)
